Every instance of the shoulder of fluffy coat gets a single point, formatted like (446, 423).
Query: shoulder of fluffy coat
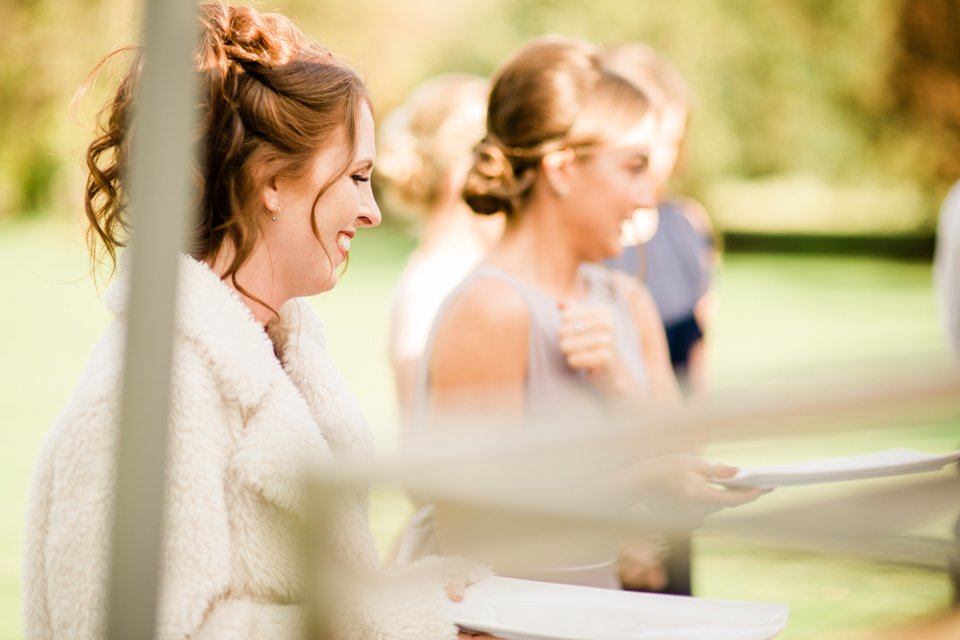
(69, 513)
(218, 357)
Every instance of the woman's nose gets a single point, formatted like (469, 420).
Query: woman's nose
(646, 194)
(370, 213)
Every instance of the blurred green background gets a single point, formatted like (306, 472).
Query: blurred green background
(824, 136)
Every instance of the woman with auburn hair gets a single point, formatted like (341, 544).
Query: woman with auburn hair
(540, 327)
(286, 134)
(424, 151)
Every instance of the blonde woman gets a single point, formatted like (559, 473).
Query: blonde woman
(565, 159)
(425, 150)
(676, 261)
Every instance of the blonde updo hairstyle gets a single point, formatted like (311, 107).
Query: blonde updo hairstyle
(269, 100)
(553, 94)
(427, 137)
(651, 72)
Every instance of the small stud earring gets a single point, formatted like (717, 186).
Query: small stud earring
(561, 191)
(275, 209)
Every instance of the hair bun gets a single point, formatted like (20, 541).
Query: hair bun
(243, 36)
(399, 161)
(425, 145)
(495, 183)
(261, 38)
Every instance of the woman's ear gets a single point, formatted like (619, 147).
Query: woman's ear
(270, 198)
(556, 167)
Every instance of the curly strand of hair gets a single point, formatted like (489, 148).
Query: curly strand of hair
(107, 228)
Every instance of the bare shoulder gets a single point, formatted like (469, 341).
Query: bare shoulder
(488, 302)
(482, 338)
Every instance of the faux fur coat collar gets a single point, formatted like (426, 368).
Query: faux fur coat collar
(220, 327)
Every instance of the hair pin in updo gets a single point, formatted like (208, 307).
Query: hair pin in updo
(523, 153)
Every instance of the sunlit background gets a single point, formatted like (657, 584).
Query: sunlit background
(824, 136)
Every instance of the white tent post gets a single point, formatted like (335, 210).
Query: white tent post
(161, 200)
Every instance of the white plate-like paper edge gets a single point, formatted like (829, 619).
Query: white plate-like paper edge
(529, 610)
(891, 462)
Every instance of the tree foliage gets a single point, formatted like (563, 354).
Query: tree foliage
(851, 92)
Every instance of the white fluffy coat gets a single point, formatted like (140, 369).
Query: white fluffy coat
(243, 427)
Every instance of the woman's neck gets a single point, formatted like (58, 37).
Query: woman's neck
(535, 248)
(253, 282)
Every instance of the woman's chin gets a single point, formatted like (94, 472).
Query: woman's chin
(612, 250)
(323, 284)
(330, 283)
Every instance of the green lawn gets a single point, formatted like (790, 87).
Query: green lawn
(778, 316)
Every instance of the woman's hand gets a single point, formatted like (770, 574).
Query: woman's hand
(679, 488)
(456, 587)
(589, 343)
(641, 564)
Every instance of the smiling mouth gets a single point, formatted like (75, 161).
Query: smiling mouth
(343, 241)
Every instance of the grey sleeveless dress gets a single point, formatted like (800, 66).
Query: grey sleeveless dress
(549, 380)
(548, 376)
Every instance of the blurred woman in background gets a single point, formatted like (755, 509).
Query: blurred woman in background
(565, 159)
(674, 258)
(425, 150)
(676, 252)
(540, 328)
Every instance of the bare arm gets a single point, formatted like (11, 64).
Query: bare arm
(478, 367)
(405, 376)
(479, 357)
(653, 340)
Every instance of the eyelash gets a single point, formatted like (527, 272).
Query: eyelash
(359, 178)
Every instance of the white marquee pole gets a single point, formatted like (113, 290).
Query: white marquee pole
(161, 202)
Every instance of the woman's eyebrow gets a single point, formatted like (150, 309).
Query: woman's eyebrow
(364, 165)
